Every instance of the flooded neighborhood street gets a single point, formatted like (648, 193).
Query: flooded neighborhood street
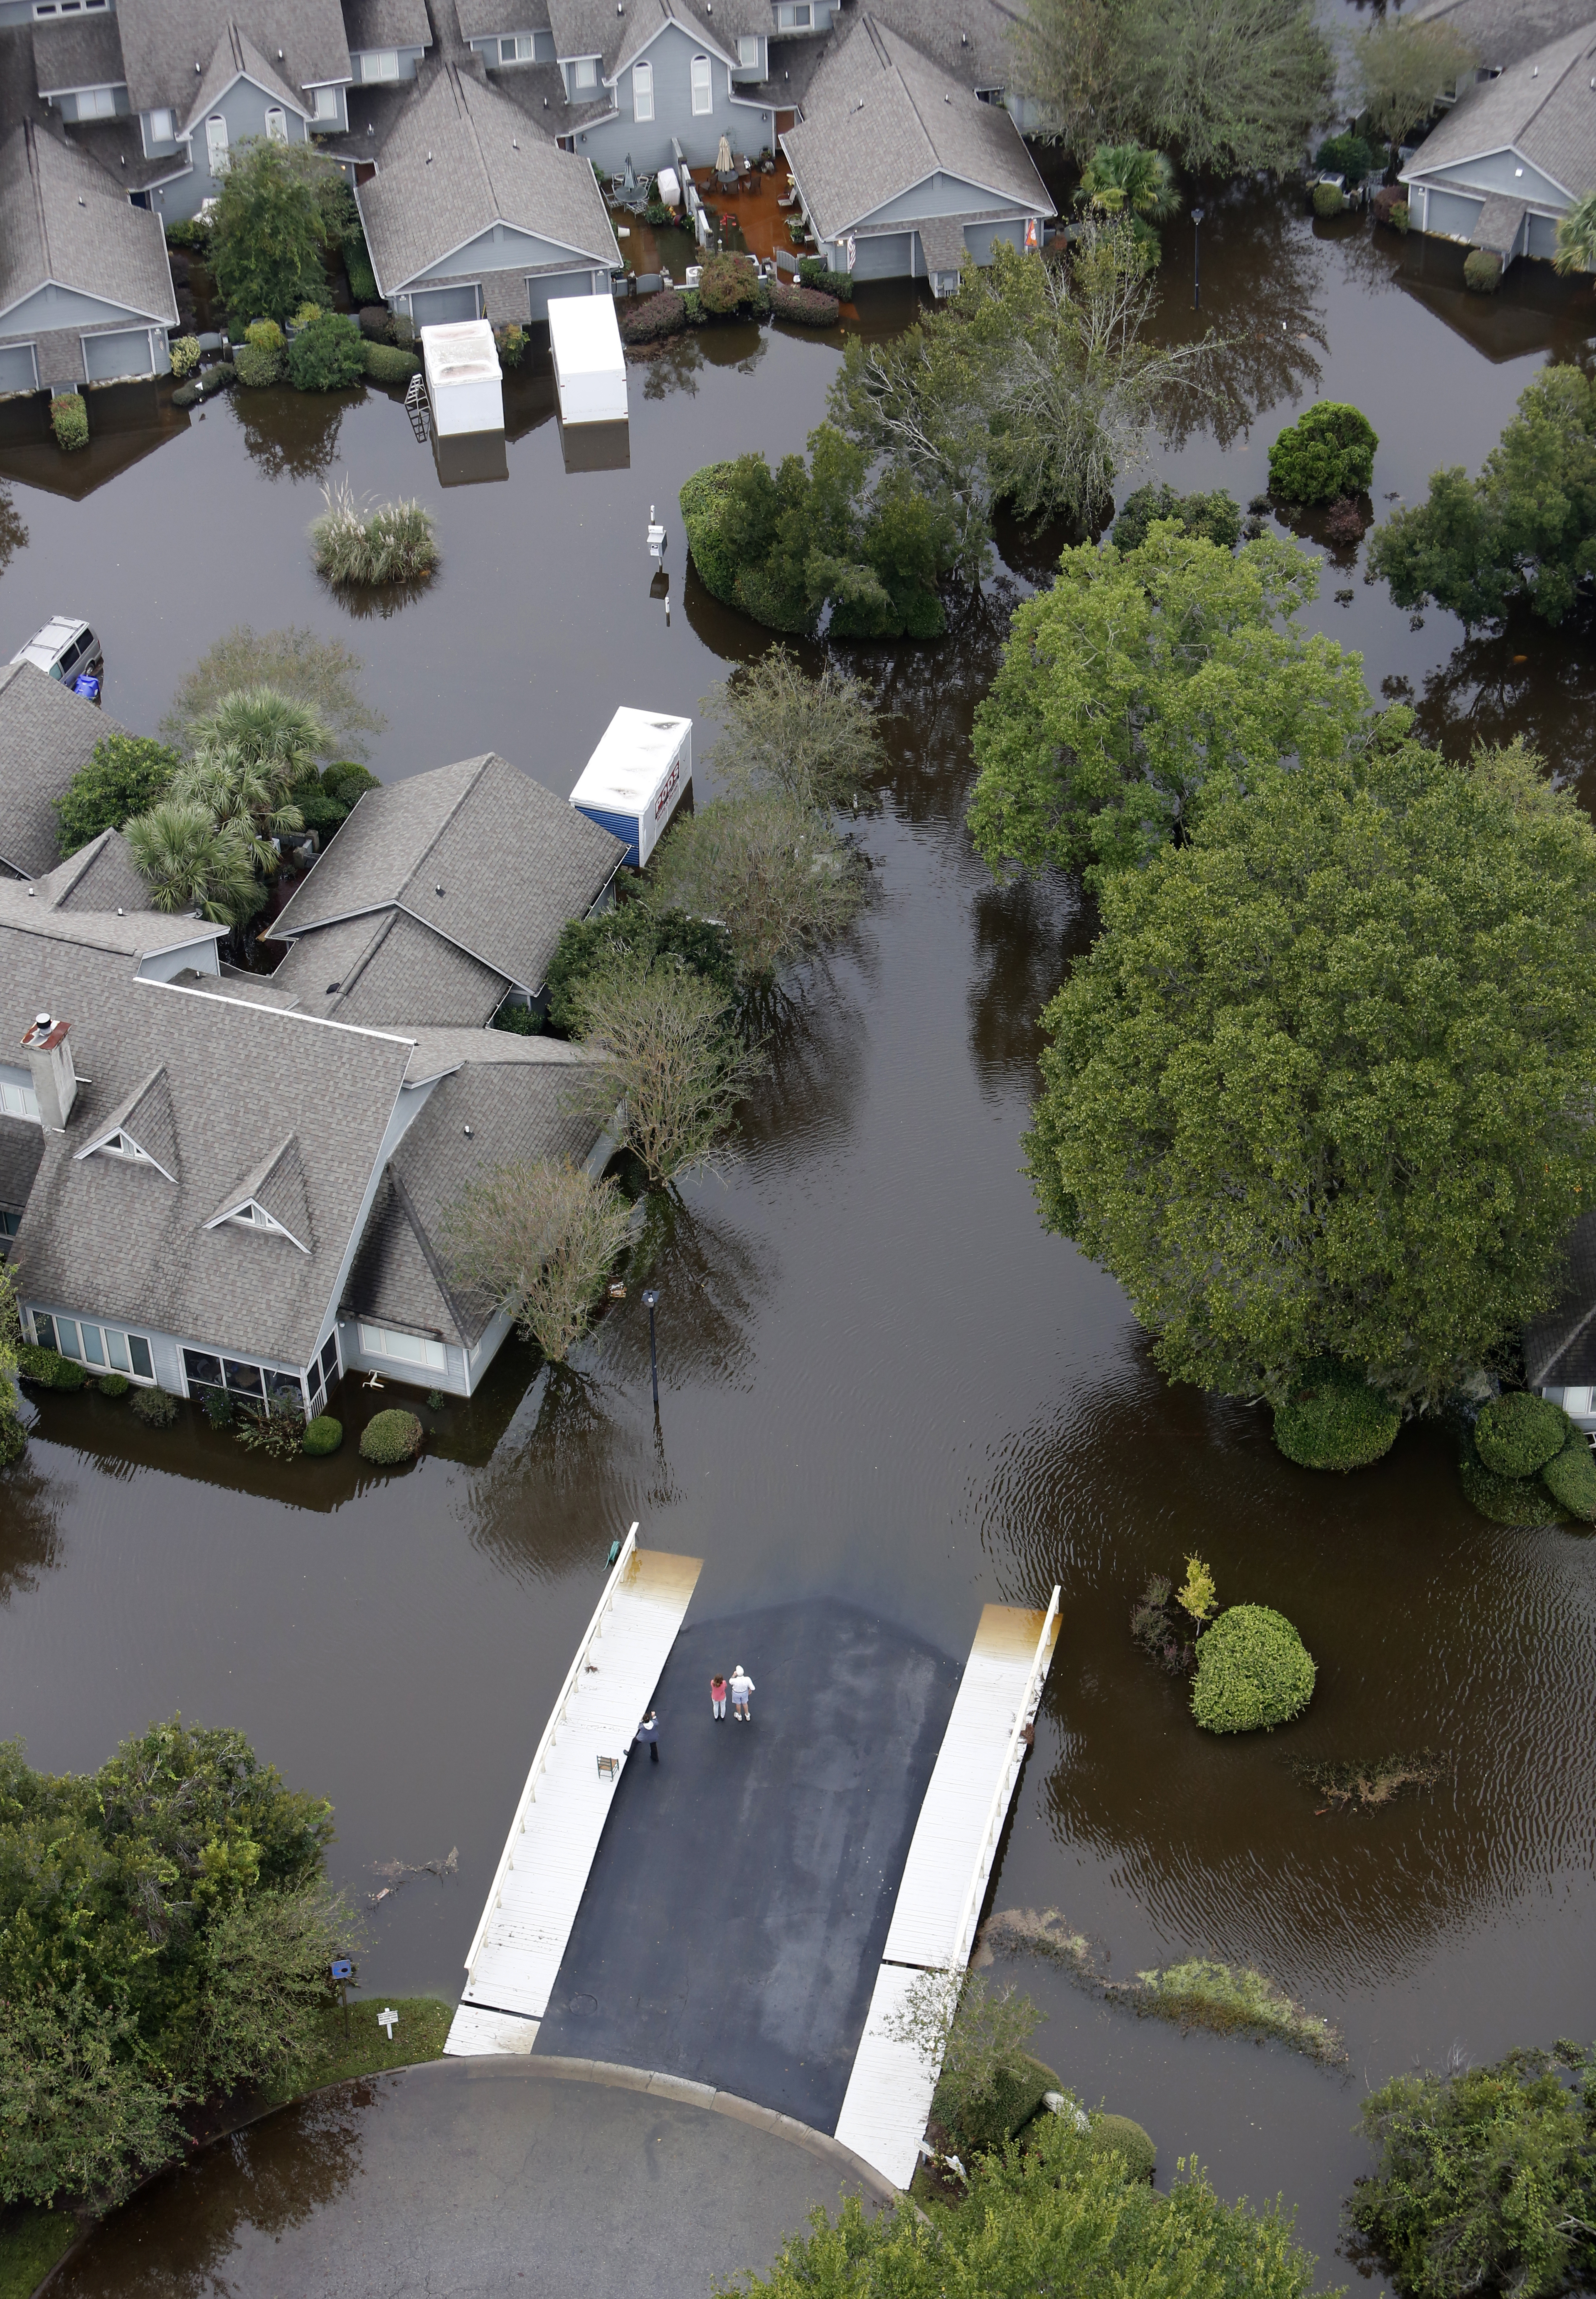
(881, 1384)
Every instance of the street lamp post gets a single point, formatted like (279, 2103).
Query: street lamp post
(650, 1303)
(1196, 258)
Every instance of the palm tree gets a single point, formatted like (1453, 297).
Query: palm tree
(243, 798)
(188, 864)
(1128, 180)
(1576, 236)
(262, 727)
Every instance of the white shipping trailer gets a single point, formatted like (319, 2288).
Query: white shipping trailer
(464, 381)
(589, 366)
(634, 780)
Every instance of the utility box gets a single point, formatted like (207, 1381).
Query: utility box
(464, 381)
(589, 366)
(634, 783)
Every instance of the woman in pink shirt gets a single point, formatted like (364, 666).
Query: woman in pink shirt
(717, 1698)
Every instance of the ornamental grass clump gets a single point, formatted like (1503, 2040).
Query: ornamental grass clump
(1329, 452)
(1334, 1420)
(1253, 1672)
(390, 543)
(391, 1438)
(1232, 1999)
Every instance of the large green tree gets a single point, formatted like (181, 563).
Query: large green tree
(1323, 1086)
(1525, 529)
(1404, 69)
(126, 775)
(1138, 679)
(269, 231)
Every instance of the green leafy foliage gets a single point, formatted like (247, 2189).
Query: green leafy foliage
(1576, 236)
(591, 946)
(540, 1237)
(653, 317)
(114, 1384)
(1403, 68)
(192, 234)
(1215, 517)
(391, 1437)
(776, 876)
(1121, 2135)
(188, 864)
(1334, 1420)
(1062, 2216)
(68, 419)
(1266, 1154)
(1347, 154)
(1570, 1478)
(1232, 1999)
(77, 2111)
(1126, 180)
(1253, 1671)
(1505, 1500)
(1482, 270)
(729, 287)
(49, 1369)
(809, 307)
(814, 739)
(323, 1435)
(1485, 2179)
(1518, 1433)
(317, 672)
(1140, 676)
(1328, 200)
(813, 273)
(1001, 2113)
(259, 366)
(1329, 452)
(157, 1408)
(357, 264)
(268, 232)
(185, 356)
(124, 776)
(386, 363)
(666, 1052)
(327, 355)
(262, 1997)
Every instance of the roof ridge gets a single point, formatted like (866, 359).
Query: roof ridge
(366, 953)
(480, 764)
(481, 161)
(31, 134)
(894, 67)
(441, 1276)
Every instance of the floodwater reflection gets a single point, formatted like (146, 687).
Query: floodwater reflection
(29, 1530)
(1262, 296)
(290, 435)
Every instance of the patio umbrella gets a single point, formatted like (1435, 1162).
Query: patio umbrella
(723, 162)
(631, 177)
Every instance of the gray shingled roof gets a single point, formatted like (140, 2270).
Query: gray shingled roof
(236, 55)
(388, 969)
(516, 1110)
(591, 28)
(1542, 107)
(47, 910)
(147, 1118)
(22, 1146)
(488, 165)
(1560, 1347)
(970, 42)
(61, 218)
(479, 19)
(106, 1236)
(1503, 32)
(514, 862)
(76, 52)
(46, 734)
(881, 118)
(163, 40)
(100, 876)
(387, 24)
(434, 1051)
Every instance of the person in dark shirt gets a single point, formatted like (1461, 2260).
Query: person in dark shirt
(649, 1731)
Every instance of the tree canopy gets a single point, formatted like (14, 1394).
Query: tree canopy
(190, 864)
(1403, 70)
(268, 232)
(1525, 529)
(124, 776)
(1136, 679)
(1323, 1086)
(317, 672)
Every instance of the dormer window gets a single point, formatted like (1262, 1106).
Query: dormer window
(252, 1216)
(123, 1145)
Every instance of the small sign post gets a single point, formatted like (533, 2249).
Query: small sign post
(343, 1975)
(388, 2020)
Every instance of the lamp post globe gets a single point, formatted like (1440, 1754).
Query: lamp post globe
(652, 1303)
(1196, 258)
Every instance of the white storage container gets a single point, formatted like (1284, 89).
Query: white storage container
(464, 381)
(589, 366)
(670, 188)
(634, 780)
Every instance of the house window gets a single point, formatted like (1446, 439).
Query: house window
(276, 123)
(327, 103)
(703, 97)
(379, 63)
(160, 127)
(10, 1223)
(216, 143)
(795, 15)
(403, 1348)
(329, 1359)
(515, 48)
(44, 8)
(748, 51)
(106, 1347)
(96, 104)
(19, 1102)
(587, 71)
(251, 1384)
(123, 1145)
(642, 91)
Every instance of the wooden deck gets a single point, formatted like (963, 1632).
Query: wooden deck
(946, 1876)
(543, 1872)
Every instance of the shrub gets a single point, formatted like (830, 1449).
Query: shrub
(1347, 155)
(692, 307)
(654, 317)
(114, 1384)
(658, 215)
(157, 1408)
(374, 323)
(357, 263)
(1401, 216)
(265, 335)
(1344, 522)
(512, 342)
(386, 363)
(813, 273)
(323, 1435)
(68, 419)
(1329, 451)
(192, 233)
(1482, 270)
(1570, 1478)
(212, 379)
(185, 356)
(308, 313)
(49, 1368)
(327, 354)
(540, 1239)
(1388, 197)
(126, 775)
(273, 1431)
(1117, 2135)
(1518, 1433)
(218, 1408)
(1328, 200)
(1334, 1420)
(188, 395)
(1252, 1671)
(392, 542)
(729, 286)
(1505, 1500)
(258, 366)
(391, 1437)
(705, 500)
(1003, 2112)
(808, 306)
(1215, 518)
(13, 1437)
(591, 946)
(401, 327)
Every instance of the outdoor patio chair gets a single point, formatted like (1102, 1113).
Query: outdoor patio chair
(786, 199)
(610, 1765)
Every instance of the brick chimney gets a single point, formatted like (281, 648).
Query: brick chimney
(55, 1079)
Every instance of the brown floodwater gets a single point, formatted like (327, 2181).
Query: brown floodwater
(879, 1379)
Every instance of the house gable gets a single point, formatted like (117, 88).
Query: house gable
(505, 248)
(53, 306)
(1504, 170)
(941, 194)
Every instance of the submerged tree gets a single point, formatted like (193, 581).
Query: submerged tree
(321, 674)
(667, 1054)
(268, 232)
(1404, 70)
(539, 1238)
(814, 739)
(776, 876)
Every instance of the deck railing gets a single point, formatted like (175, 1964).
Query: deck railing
(964, 1937)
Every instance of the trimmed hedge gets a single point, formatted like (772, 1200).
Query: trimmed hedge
(813, 273)
(703, 501)
(1505, 1500)
(323, 1435)
(386, 363)
(49, 1368)
(68, 419)
(653, 318)
(1570, 1478)
(1334, 1420)
(391, 1437)
(1120, 2135)
(114, 1384)
(1329, 452)
(1253, 1672)
(1518, 1433)
(1328, 200)
(258, 365)
(808, 305)
(1005, 2110)
(157, 1408)
(1482, 271)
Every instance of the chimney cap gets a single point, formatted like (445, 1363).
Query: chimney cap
(46, 1034)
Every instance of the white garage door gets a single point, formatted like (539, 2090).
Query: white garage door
(18, 369)
(108, 358)
(440, 307)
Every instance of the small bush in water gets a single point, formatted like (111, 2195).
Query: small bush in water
(1518, 1433)
(68, 419)
(389, 1438)
(392, 543)
(157, 1408)
(1120, 2135)
(1482, 271)
(1253, 1672)
(1570, 1478)
(1329, 452)
(114, 1384)
(327, 354)
(1328, 200)
(1334, 1420)
(49, 1368)
(386, 363)
(323, 1435)
(1505, 1500)
(186, 356)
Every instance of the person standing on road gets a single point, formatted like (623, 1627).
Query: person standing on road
(717, 1698)
(743, 1684)
(649, 1731)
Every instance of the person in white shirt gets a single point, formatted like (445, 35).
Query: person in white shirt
(743, 1684)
